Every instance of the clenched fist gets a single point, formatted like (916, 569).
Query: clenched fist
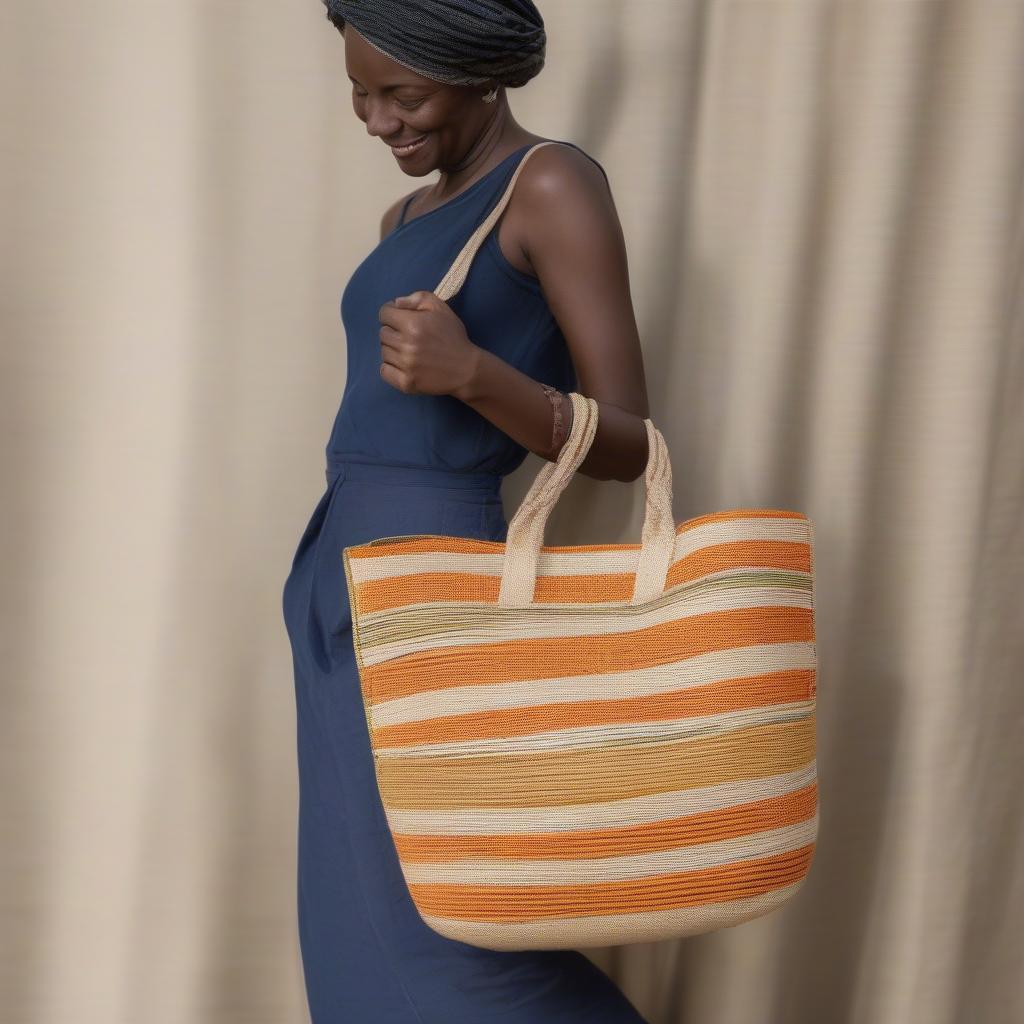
(424, 347)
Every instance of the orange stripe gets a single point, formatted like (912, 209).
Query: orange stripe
(416, 588)
(443, 668)
(668, 834)
(715, 698)
(516, 903)
(443, 542)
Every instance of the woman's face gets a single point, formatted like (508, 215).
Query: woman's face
(400, 106)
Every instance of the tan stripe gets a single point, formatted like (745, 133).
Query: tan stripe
(461, 665)
(594, 774)
(667, 834)
(579, 932)
(520, 903)
(758, 691)
(641, 810)
(418, 586)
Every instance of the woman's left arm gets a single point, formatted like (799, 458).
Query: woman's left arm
(568, 228)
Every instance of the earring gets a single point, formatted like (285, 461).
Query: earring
(490, 97)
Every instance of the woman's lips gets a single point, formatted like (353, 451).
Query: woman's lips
(409, 148)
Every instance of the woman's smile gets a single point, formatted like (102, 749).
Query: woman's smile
(409, 149)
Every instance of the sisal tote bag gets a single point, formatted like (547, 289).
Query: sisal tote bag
(593, 744)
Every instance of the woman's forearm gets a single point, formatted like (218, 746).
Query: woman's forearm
(516, 404)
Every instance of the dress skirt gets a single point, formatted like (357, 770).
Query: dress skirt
(368, 957)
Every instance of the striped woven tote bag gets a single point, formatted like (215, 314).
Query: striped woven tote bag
(593, 744)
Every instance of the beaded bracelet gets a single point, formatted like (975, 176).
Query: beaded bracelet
(558, 429)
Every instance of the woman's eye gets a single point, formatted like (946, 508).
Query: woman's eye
(408, 105)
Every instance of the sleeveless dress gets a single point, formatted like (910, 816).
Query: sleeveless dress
(401, 463)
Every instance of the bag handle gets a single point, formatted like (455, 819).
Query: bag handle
(456, 274)
(525, 535)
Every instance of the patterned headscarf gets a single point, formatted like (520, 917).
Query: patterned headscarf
(461, 42)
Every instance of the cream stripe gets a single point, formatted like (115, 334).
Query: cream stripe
(638, 810)
(566, 562)
(508, 871)
(458, 624)
(625, 734)
(699, 670)
(611, 929)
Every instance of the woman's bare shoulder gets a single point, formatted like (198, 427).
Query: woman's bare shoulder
(552, 171)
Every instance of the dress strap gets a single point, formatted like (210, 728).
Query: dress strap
(405, 206)
(455, 277)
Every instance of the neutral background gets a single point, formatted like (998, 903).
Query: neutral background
(823, 209)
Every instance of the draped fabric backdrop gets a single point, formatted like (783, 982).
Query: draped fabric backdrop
(823, 210)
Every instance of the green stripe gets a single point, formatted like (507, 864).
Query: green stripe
(424, 621)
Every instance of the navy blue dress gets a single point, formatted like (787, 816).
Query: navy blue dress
(401, 463)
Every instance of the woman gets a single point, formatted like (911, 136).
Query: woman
(442, 400)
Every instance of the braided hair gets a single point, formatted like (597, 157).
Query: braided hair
(461, 42)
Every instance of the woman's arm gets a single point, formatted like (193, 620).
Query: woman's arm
(563, 219)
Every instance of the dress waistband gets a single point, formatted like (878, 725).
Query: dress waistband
(349, 467)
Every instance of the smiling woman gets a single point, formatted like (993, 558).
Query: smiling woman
(429, 424)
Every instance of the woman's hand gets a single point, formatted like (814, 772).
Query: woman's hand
(424, 346)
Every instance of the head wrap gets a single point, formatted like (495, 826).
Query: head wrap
(461, 42)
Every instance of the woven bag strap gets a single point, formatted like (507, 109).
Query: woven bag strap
(525, 535)
(455, 276)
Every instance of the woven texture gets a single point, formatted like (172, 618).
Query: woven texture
(598, 744)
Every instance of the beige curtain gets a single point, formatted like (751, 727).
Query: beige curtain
(823, 208)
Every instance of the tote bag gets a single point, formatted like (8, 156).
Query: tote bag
(593, 744)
